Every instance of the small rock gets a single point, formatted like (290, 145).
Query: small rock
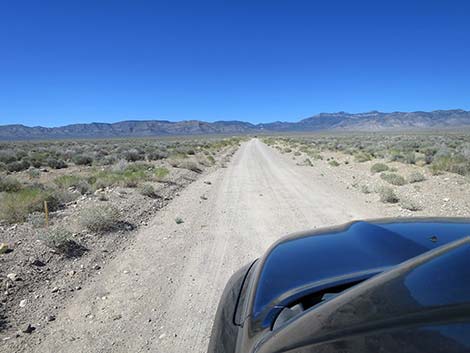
(71, 273)
(37, 262)
(23, 303)
(97, 267)
(203, 197)
(78, 288)
(446, 199)
(55, 289)
(12, 277)
(4, 248)
(117, 317)
(50, 318)
(207, 182)
(28, 328)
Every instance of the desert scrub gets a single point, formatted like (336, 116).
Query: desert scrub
(333, 163)
(16, 206)
(366, 189)
(190, 165)
(203, 160)
(362, 157)
(133, 155)
(9, 184)
(82, 159)
(379, 168)
(67, 181)
(387, 195)
(34, 173)
(157, 155)
(100, 218)
(410, 205)
(18, 166)
(211, 159)
(56, 163)
(60, 240)
(148, 190)
(394, 179)
(124, 174)
(415, 177)
(37, 220)
(161, 173)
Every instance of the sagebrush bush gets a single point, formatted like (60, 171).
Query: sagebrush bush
(83, 187)
(7, 156)
(190, 165)
(362, 157)
(387, 195)
(148, 190)
(394, 179)
(34, 173)
(56, 163)
(156, 155)
(161, 173)
(37, 219)
(134, 155)
(67, 181)
(379, 167)
(410, 205)
(9, 184)
(203, 160)
(100, 218)
(61, 240)
(18, 166)
(416, 177)
(410, 158)
(82, 159)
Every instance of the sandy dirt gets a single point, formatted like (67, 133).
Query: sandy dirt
(160, 294)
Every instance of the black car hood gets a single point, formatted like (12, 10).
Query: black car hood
(309, 262)
(421, 305)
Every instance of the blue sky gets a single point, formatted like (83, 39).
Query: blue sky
(65, 62)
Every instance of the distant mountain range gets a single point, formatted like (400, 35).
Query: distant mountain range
(371, 121)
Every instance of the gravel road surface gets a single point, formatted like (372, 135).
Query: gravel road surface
(160, 294)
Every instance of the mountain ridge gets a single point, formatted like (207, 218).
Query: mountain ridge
(339, 121)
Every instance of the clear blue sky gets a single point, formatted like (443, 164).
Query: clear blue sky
(71, 61)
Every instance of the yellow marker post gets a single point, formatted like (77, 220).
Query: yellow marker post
(46, 213)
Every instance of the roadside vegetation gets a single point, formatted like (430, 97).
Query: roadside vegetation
(392, 166)
(59, 172)
(442, 152)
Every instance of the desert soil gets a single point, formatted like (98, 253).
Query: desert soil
(161, 292)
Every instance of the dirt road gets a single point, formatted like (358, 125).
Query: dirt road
(161, 293)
